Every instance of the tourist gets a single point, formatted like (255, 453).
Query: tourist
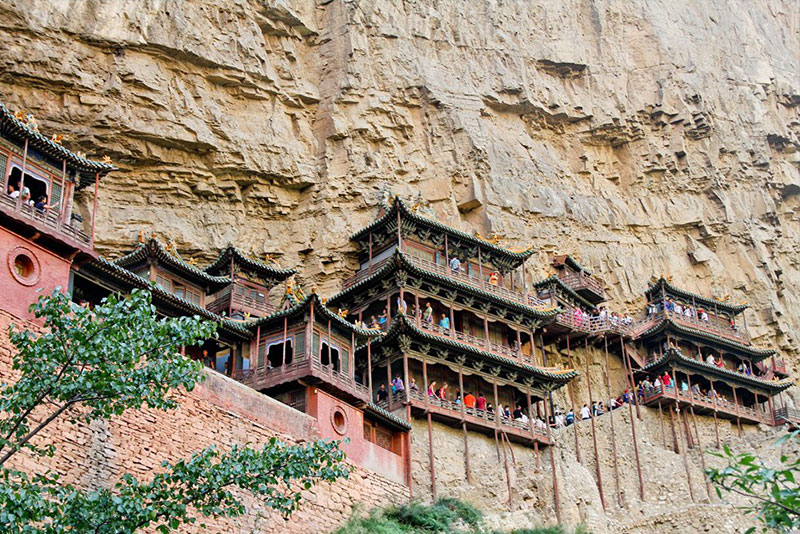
(12, 191)
(570, 417)
(427, 315)
(612, 404)
(432, 389)
(646, 384)
(507, 412)
(687, 312)
(26, 197)
(469, 400)
(382, 394)
(585, 413)
(695, 390)
(524, 418)
(489, 408)
(402, 306)
(494, 278)
(720, 362)
(397, 384)
(684, 386)
(657, 382)
(458, 397)
(415, 312)
(455, 264)
(666, 380)
(599, 410)
(480, 402)
(208, 360)
(42, 204)
(382, 318)
(373, 323)
(559, 420)
(677, 309)
(444, 323)
(442, 393)
(412, 384)
(228, 366)
(517, 413)
(710, 359)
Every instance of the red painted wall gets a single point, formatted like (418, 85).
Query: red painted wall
(360, 451)
(49, 271)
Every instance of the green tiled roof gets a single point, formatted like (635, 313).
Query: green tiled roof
(223, 261)
(407, 213)
(134, 280)
(673, 355)
(152, 248)
(387, 416)
(756, 354)
(320, 309)
(673, 291)
(399, 260)
(48, 147)
(402, 324)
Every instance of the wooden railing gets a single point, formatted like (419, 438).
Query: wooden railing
(721, 405)
(477, 342)
(772, 366)
(50, 219)
(223, 301)
(787, 415)
(364, 273)
(594, 324)
(714, 325)
(582, 280)
(267, 376)
(485, 417)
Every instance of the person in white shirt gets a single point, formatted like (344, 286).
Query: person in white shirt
(710, 359)
(585, 413)
(455, 264)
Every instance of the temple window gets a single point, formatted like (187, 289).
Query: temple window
(275, 352)
(332, 358)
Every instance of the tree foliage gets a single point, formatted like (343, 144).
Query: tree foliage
(97, 363)
(773, 493)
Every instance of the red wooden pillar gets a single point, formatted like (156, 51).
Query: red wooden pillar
(94, 209)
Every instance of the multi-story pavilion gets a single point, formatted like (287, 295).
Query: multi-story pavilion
(455, 311)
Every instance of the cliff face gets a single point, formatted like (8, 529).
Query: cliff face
(652, 138)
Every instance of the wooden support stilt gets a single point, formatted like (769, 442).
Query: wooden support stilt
(430, 429)
(736, 403)
(556, 497)
(661, 423)
(508, 471)
(702, 453)
(685, 454)
(594, 432)
(571, 389)
(714, 398)
(467, 469)
(675, 446)
(536, 452)
(497, 416)
(626, 362)
(613, 431)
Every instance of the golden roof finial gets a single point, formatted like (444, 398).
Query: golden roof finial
(57, 138)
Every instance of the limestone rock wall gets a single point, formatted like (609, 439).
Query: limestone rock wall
(646, 139)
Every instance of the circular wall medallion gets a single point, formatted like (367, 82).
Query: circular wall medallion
(339, 420)
(24, 266)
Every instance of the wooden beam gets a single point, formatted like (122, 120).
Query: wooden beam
(594, 431)
(613, 431)
(571, 388)
(556, 497)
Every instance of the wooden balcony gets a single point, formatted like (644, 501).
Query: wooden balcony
(588, 286)
(267, 377)
(789, 416)
(453, 414)
(244, 303)
(47, 222)
(772, 367)
(706, 405)
(459, 276)
(478, 342)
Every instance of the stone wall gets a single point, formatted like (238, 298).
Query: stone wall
(222, 412)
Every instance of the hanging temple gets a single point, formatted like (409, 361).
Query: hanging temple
(435, 325)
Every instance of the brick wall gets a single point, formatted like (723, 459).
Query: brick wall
(220, 411)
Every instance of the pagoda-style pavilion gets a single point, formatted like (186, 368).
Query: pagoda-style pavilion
(454, 309)
(706, 352)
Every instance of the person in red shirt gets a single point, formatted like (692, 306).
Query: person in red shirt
(469, 400)
(666, 380)
(480, 403)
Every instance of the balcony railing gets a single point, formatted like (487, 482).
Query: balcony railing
(460, 276)
(579, 281)
(478, 342)
(482, 417)
(714, 325)
(266, 376)
(787, 415)
(720, 405)
(240, 302)
(50, 220)
(772, 367)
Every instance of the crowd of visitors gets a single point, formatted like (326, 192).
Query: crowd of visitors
(39, 204)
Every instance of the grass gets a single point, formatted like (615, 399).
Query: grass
(445, 516)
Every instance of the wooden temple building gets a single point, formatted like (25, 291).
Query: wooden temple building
(429, 306)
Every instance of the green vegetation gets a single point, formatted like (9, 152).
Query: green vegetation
(89, 364)
(445, 516)
(774, 493)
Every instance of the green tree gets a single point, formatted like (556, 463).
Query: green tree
(89, 364)
(773, 493)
